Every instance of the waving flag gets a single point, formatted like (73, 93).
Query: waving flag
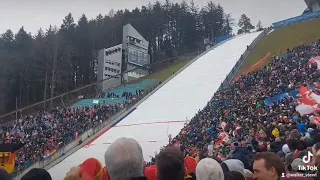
(309, 102)
(223, 125)
(224, 137)
(8, 155)
(315, 60)
(235, 132)
(316, 120)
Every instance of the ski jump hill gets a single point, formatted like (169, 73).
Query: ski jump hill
(163, 112)
(167, 110)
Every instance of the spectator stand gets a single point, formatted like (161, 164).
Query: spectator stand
(78, 139)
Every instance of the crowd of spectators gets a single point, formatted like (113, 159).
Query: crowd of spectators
(124, 161)
(43, 133)
(235, 137)
(252, 125)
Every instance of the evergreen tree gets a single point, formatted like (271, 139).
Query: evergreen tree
(244, 24)
(54, 61)
(259, 26)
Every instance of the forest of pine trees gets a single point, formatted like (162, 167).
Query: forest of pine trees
(60, 59)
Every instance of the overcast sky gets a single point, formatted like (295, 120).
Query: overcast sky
(33, 14)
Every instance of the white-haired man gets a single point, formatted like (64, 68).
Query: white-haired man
(124, 160)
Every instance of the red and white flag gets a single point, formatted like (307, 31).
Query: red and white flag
(315, 60)
(309, 102)
(316, 120)
(223, 125)
(224, 137)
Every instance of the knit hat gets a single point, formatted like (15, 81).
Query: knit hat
(285, 149)
(309, 142)
(296, 163)
(289, 158)
(190, 163)
(93, 170)
(37, 173)
(209, 169)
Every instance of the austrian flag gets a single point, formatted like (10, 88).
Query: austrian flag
(309, 102)
(315, 60)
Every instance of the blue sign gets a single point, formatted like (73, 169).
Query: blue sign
(297, 19)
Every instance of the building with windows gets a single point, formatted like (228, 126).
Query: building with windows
(124, 62)
(109, 67)
(135, 55)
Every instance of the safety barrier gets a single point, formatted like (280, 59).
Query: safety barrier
(223, 38)
(296, 19)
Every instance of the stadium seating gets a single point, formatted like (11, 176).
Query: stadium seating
(119, 91)
(132, 88)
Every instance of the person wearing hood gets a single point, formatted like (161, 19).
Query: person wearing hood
(232, 165)
(234, 175)
(240, 153)
(302, 127)
(277, 144)
(209, 169)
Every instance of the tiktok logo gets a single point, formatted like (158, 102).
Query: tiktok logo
(306, 159)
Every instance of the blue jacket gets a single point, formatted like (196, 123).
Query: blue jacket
(302, 128)
(242, 154)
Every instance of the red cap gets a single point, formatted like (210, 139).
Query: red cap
(91, 169)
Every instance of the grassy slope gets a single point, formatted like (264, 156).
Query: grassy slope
(166, 73)
(284, 38)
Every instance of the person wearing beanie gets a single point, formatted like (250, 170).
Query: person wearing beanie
(285, 149)
(37, 173)
(90, 169)
(209, 169)
(190, 163)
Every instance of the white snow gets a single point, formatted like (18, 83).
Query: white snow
(165, 111)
